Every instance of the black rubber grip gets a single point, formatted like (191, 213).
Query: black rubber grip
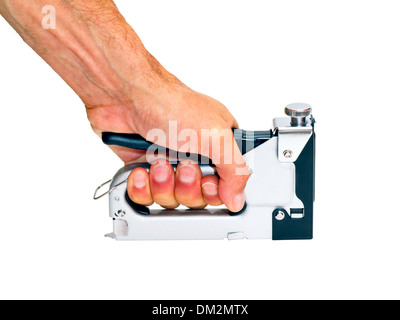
(132, 141)
(246, 140)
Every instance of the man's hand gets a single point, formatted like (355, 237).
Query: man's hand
(126, 90)
(190, 110)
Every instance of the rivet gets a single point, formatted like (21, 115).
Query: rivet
(120, 213)
(280, 215)
(288, 153)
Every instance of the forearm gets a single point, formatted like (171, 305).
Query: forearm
(126, 90)
(92, 47)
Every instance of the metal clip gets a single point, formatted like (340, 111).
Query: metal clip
(95, 197)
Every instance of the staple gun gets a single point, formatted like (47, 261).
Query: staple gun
(279, 194)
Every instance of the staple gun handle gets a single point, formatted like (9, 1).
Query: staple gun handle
(246, 140)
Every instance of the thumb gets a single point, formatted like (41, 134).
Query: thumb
(233, 175)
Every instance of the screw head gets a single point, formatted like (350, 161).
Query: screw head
(300, 110)
(288, 153)
(280, 215)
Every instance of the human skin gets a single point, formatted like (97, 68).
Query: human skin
(126, 90)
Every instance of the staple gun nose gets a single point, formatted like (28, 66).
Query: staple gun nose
(279, 197)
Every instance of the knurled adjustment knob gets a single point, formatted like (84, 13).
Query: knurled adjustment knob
(299, 113)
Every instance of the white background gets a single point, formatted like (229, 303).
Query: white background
(342, 57)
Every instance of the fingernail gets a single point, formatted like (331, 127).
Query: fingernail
(160, 172)
(238, 202)
(187, 173)
(139, 180)
(210, 188)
